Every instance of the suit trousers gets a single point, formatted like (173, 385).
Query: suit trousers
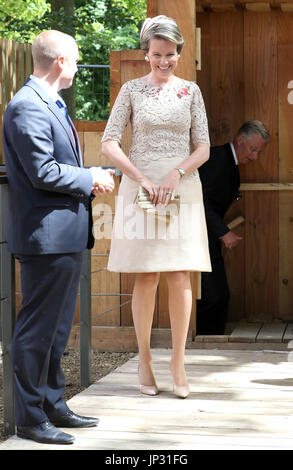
(49, 294)
(212, 308)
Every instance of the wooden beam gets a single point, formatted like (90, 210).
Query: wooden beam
(223, 7)
(131, 54)
(286, 7)
(112, 338)
(216, 5)
(258, 7)
(90, 126)
(249, 5)
(266, 187)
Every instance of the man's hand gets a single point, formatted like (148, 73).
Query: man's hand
(230, 239)
(102, 180)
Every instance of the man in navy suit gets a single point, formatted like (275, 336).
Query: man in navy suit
(50, 225)
(220, 180)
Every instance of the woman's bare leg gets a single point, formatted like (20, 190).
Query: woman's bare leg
(180, 304)
(143, 304)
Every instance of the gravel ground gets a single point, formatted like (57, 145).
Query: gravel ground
(102, 364)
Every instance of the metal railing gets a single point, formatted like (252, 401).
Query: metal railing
(7, 310)
(92, 92)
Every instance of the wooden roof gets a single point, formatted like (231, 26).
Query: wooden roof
(249, 5)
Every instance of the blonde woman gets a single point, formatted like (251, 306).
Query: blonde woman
(170, 141)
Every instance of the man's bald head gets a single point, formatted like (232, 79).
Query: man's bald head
(48, 46)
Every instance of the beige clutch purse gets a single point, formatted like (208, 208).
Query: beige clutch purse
(165, 213)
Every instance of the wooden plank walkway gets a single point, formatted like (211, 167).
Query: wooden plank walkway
(239, 400)
(257, 335)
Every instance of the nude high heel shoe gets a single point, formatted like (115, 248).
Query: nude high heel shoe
(181, 391)
(150, 390)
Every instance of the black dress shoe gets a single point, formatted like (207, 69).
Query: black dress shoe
(45, 433)
(71, 420)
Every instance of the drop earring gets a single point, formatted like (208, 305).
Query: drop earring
(146, 58)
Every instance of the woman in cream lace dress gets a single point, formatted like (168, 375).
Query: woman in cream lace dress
(169, 142)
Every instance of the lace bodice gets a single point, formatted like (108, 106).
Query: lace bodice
(164, 121)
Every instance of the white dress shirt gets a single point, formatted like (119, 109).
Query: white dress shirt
(49, 89)
(234, 153)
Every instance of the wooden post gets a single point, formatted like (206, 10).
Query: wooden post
(261, 231)
(85, 319)
(285, 113)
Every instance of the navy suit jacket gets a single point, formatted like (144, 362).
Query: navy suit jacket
(49, 191)
(220, 181)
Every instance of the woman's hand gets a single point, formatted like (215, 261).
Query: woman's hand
(168, 187)
(152, 188)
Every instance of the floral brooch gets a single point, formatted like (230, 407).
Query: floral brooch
(183, 92)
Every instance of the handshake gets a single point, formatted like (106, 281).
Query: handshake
(102, 180)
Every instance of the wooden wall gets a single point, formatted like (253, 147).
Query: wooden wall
(246, 73)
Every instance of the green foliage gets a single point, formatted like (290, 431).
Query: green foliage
(20, 12)
(99, 25)
(25, 10)
(104, 25)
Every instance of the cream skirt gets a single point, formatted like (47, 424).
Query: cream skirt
(141, 243)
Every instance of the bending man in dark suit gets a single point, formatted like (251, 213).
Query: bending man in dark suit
(50, 225)
(220, 181)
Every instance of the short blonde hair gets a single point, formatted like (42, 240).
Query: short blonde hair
(49, 45)
(160, 27)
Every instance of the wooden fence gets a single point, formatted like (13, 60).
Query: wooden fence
(15, 67)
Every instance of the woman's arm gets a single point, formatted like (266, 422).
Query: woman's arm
(170, 184)
(198, 157)
(112, 150)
